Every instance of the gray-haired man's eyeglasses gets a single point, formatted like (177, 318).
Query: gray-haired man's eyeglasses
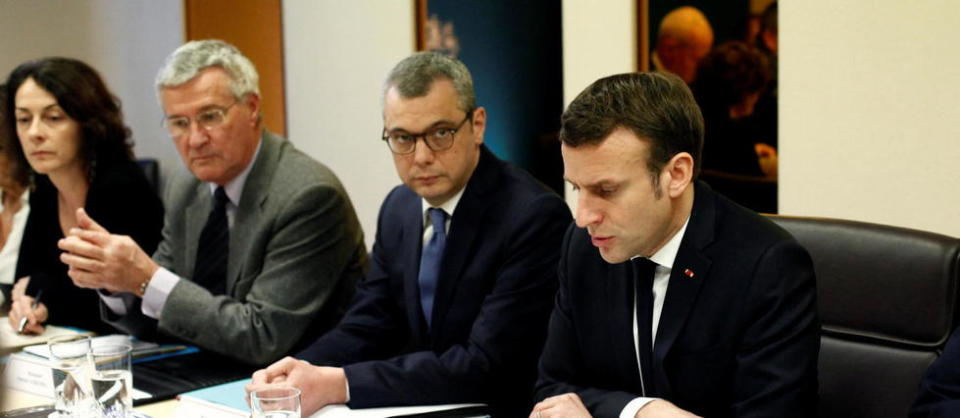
(208, 119)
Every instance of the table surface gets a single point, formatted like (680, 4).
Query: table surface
(14, 399)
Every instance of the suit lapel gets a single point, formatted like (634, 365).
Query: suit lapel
(413, 240)
(197, 213)
(249, 213)
(682, 290)
(464, 226)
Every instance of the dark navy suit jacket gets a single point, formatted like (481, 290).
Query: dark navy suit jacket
(738, 335)
(493, 300)
(940, 387)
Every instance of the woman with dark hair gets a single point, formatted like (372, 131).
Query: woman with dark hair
(73, 145)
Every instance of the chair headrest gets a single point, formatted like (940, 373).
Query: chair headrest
(881, 282)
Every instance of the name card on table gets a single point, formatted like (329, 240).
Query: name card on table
(28, 373)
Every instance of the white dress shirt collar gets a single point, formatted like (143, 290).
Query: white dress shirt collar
(447, 206)
(668, 253)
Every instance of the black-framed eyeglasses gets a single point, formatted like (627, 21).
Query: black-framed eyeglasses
(437, 139)
(208, 119)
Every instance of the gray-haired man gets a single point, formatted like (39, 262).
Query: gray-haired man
(261, 245)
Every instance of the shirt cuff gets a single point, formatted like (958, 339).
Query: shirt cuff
(159, 288)
(117, 303)
(634, 406)
(346, 383)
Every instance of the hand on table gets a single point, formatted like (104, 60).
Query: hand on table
(319, 386)
(22, 307)
(566, 405)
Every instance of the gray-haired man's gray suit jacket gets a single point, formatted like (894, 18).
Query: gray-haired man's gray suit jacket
(296, 253)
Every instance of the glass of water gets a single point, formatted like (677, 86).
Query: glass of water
(113, 380)
(72, 367)
(279, 402)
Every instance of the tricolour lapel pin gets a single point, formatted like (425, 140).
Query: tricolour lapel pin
(689, 273)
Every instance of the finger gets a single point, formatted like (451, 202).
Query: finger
(13, 317)
(551, 401)
(21, 306)
(76, 245)
(281, 367)
(81, 263)
(100, 238)
(573, 398)
(30, 314)
(41, 313)
(33, 329)
(539, 405)
(86, 222)
(257, 378)
(253, 387)
(262, 377)
(20, 288)
(274, 372)
(86, 279)
(544, 412)
(31, 320)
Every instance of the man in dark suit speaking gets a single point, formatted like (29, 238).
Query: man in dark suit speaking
(673, 300)
(463, 271)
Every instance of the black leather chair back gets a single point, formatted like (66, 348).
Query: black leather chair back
(887, 298)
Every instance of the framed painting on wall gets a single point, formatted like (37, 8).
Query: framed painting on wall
(727, 53)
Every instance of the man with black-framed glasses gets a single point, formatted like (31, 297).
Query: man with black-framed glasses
(455, 305)
(261, 247)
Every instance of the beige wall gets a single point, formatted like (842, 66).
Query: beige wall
(599, 39)
(337, 55)
(870, 116)
(126, 41)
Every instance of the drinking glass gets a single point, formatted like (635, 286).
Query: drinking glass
(276, 403)
(72, 368)
(113, 380)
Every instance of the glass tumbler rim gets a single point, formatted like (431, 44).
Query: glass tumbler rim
(294, 391)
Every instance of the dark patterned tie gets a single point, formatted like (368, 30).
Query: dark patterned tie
(643, 272)
(210, 270)
(430, 261)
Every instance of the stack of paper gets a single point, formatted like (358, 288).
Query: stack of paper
(10, 340)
